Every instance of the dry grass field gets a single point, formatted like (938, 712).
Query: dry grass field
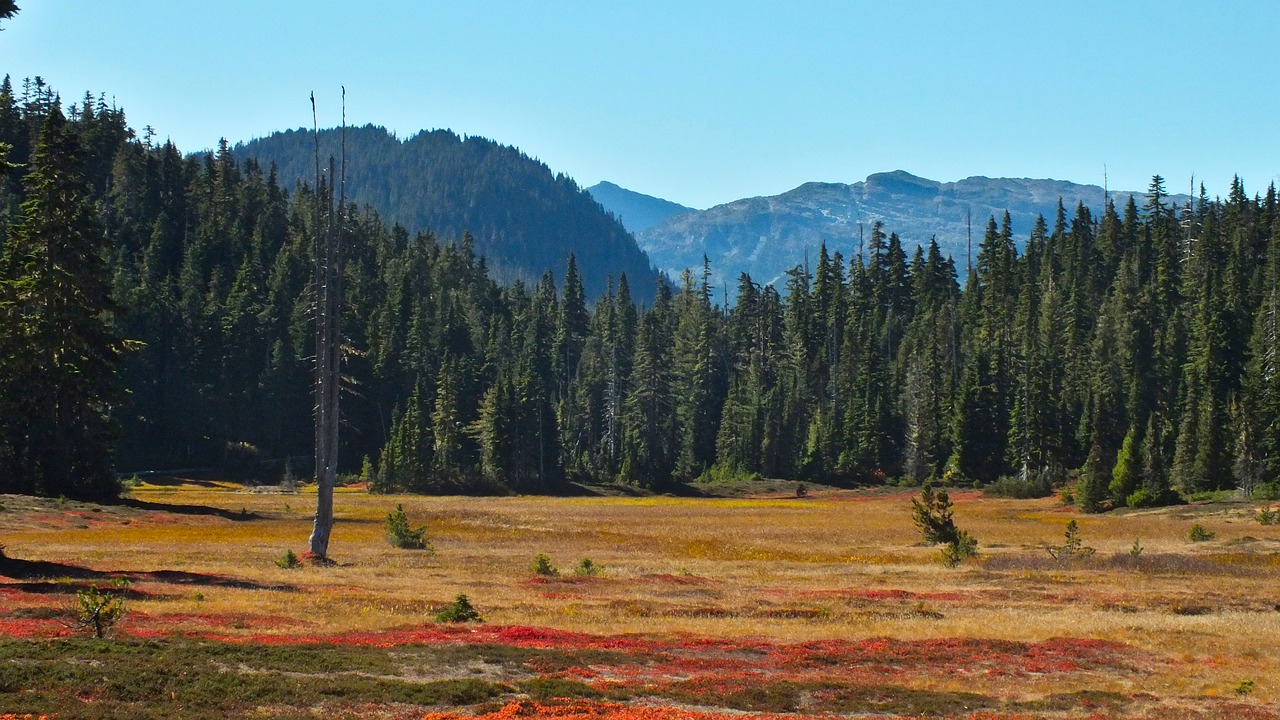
(759, 606)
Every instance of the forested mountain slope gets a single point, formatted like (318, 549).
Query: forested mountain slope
(525, 219)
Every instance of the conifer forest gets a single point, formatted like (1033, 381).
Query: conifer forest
(156, 313)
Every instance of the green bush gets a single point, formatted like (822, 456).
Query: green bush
(721, 473)
(542, 566)
(459, 611)
(289, 561)
(98, 611)
(401, 535)
(932, 514)
(1035, 485)
(546, 689)
(1267, 491)
(1073, 547)
(1199, 533)
(1266, 515)
(963, 547)
(1136, 550)
(1144, 498)
(1212, 496)
(587, 568)
(242, 461)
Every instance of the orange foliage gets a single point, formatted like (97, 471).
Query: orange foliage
(587, 710)
(590, 710)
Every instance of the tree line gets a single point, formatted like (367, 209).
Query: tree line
(1130, 355)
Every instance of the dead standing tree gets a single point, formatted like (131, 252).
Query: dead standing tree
(329, 272)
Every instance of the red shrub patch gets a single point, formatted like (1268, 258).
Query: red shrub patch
(590, 709)
(871, 595)
(28, 628)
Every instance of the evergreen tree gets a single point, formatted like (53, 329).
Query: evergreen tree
(447, 427)
(8, 8)
(649, 436)
(571, 330)
(59, 384)
(699, 369)
(1257, 417)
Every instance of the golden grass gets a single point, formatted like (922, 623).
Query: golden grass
(843, 565)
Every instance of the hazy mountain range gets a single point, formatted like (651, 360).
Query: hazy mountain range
(637, 212)
(765, 236)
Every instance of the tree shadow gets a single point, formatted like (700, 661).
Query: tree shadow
(36, 570)
(59, 587)
(199, 478)
(176, 509)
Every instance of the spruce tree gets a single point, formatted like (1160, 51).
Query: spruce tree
(649, 435)
(59, 382)
(697, 375)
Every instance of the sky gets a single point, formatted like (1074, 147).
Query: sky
(705, 102)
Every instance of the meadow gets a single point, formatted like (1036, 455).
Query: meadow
(763, 605)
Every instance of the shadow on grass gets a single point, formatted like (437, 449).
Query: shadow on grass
(176, 509)
(200, 477)
(60, 587)
(19, 569)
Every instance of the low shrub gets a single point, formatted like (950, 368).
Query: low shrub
(932, 513)
(242, 461)
(1199, 533)
(1034, 485)
(726, 474)
(1136, 550)
(98, 611)
(963, 547)
(459, 611)
(1145, 498)
(1073, 547)
(1267, 491)
(1211, 496)
(1141, 498)
(542, 566)
(400, 534)
(544, 689)
(289, 561)
(587, 568)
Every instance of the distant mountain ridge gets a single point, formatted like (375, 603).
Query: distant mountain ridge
(766, 236)
(636, 211)
(525, 219)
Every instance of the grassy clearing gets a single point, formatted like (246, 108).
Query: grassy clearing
(1186, 622)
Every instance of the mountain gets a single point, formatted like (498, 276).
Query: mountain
(766, 236)
(636, 211)
(525, 219)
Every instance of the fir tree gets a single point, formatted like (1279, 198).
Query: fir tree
(59, 384)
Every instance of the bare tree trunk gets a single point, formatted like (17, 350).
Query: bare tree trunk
(329, 272)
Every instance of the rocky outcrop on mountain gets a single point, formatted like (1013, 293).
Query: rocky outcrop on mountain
(766, 236)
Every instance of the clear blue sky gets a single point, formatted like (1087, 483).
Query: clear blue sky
(705, 102)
